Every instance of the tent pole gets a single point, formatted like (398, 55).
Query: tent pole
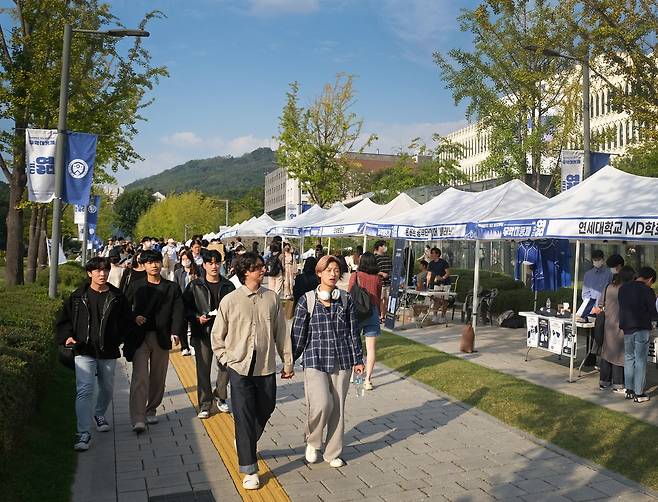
(476, 286)
(365, 243)
(329, 246)
(574, 308)
(301, 249)
(265, 245)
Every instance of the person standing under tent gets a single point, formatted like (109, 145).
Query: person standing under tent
(385, 265)
(596, 278)
(637, 309)
(439, 275)
(248, 349)
(368, 278)
(325, 335)
(612, 351)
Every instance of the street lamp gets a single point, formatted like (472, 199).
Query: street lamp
(584, 62)
(61, 132)
(226, 202)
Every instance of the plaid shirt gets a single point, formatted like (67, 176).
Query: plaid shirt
(326, 348)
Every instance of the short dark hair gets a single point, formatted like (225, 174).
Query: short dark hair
(277, 238)
(145, 238)
(626, 274)
(614, 260)
(358, 250)
(647, 273)
(423, 263)
(309, 265)
(597, 254)
(275, 247)
(378, 244)
(245, 263)
(368, 263)
(211, 255)
(196, 241)
(150, 256)
(436, 250)
(342, 263)
(97, 263)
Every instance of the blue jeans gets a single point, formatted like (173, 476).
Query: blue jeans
(87, 370)
(636, 350)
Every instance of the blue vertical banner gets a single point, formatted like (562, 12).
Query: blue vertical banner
(80, 159)
(93, 207)
(397, 277)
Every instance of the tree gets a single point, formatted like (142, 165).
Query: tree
(106, 95)
(129, 206)
(522, 100)
(190, 212)
(313, 141)
(246, 206)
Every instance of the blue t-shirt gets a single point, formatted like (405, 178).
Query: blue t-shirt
(438, 269)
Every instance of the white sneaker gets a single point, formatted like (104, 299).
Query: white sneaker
(311, 454)
(139, 427)
(336, 463)
(251, 482)
(102, 425)
(222, 406)
(185, 352)
(192, 352)
(82, 441)
(203, 414)
(151, 419)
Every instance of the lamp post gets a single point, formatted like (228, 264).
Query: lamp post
(226, 202)
(61, 139)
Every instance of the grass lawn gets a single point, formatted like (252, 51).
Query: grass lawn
(614, 440)
(43, 465)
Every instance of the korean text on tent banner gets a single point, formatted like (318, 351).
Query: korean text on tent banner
(79, 214)
(80, 158)
(40, 162)
(92, 211)
(572, 163)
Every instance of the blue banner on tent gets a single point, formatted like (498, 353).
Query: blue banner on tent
(92, 211)
(80, 159)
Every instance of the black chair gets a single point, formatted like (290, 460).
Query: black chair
(485, 309)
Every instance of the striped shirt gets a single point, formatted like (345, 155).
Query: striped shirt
(385, 265)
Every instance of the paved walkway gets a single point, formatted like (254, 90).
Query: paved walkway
(403, 442)
(505, 350)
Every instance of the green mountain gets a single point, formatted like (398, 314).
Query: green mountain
(229, 177)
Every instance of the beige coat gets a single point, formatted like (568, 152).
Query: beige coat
(249, 322)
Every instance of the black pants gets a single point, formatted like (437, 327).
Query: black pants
(204, 360)
(253, 399)
(184, 344)
(611, 374)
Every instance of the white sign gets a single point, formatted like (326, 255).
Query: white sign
(40, 164)
(556, 340)
(62, 256)
(78, 214)
(571, 164)
(532, 326)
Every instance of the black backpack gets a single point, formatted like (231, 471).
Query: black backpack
(273, 266)
(361, 300)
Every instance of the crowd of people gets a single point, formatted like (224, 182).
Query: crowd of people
(210, 300)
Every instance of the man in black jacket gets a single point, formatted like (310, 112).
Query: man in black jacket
(158, 307)
(92, 322)
(201, 299)
(637, 308)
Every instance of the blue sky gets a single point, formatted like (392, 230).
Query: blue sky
(231, 61)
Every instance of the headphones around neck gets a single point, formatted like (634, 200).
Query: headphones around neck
(325, 296)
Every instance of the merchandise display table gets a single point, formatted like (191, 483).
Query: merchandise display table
(415, 297)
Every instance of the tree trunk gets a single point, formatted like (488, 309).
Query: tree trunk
(17, 182)
(33, 244)
(43, 248)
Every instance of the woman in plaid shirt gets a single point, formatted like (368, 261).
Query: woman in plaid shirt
(325, 334)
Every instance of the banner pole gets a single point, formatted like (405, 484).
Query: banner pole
(476, 286)
(574, 308)
(85, 235)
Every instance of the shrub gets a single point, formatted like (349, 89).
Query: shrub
(27, 355)
(70, 276)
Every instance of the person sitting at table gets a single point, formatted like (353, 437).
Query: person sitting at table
(439, 275)
(421, 277)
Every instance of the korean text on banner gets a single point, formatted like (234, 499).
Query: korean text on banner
(80, 158)
(571, 165)
(40, 162)
(79, 214)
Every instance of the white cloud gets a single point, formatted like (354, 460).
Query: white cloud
(182, 139)
(269, 7)
(395, 136)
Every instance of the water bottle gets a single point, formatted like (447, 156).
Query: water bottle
(548, 304)
(358, 385)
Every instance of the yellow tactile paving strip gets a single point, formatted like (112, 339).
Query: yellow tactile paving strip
(221, 430)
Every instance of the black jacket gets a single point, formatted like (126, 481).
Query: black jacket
(74, 321)
(303, 284)
(164, 304)
(637, 307)
(198, 301)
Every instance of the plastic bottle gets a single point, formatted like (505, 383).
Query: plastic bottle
(548, 304)
(358, 385)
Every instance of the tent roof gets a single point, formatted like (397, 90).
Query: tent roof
(253, 227)
(315, 214)
(348, 222)
(610, 204)
(401, 204)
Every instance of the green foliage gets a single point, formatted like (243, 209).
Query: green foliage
(511, 91)
(248, 205)
(215, 176)
(129, 206)
(313, 141)
(198, 212)
(640, 160)
(70, 276)
(27, 355)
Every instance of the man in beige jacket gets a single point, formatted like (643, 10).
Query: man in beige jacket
(248, 328)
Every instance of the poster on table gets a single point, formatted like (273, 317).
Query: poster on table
(397, 272)
(544, 333)
(532, 327)
(569, 342)
(40, 164)
(557, 336)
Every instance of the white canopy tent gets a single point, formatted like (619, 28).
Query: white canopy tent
(293, 227)
(348, 222)
(254, 227)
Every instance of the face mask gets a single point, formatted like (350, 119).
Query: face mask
(597, 263)
(186, 263)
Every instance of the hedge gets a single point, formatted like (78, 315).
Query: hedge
(27, 350)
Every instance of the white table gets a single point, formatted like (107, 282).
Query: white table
(427, 293)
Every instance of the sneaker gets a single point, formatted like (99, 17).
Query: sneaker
(435, 319)
(603, 387)
(102, 425)
(311, 454)
(151, 419)
(222, 406)
(629, 394)
(203, 414)
(139, 427)
(82, 441)
(367, 385)
(641, 398)
(619, 391)
(192, 353)
(185, 352)
(251, 482)
(336, 463)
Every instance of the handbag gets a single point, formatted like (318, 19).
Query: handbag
(66, 356)
(599, 324)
